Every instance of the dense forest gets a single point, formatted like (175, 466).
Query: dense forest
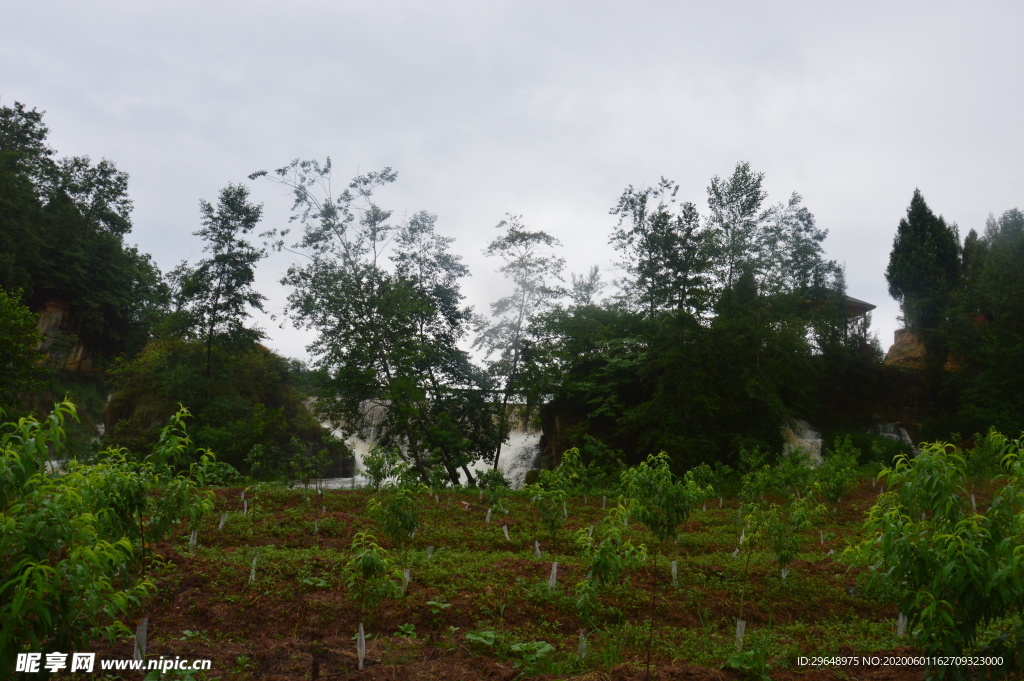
(724, 325)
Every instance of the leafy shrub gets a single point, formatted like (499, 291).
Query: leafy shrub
(838, 474)
(949, 570)
(986, 458)
(381, 463)
(397, 513)
(492, 478)
(369, 573)
(606, 555)
(70, 543)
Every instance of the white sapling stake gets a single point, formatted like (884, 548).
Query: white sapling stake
(140, 639)
(536, 548)
(675, 573)
(505, 530)
(245, 507)
(437, 499)
(413, 535)
(974, 504)
(873, 481)
(405, 580)
(831, 551)
(430, 552)
(243, 495)
(720, 502)
(252, 571)
(223, 519)
(193, 539)
(736, 553)
(784, 572)
(581, 648)
(488, 518)
(565, 511)
(704, 506)
(901, 626)
(554, 575)
(590, 531)
(922, 516)
(604, 502)
(361, 646)
(323, 508)
(743, 535)
(821, 537)
(481, 495)
(741, 628)
(316, 527)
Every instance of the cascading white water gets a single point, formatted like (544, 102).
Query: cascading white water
(518, 455)
(892, 431)
(800, 436)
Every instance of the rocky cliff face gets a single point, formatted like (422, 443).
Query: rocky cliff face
(58, 339)
(906, 352)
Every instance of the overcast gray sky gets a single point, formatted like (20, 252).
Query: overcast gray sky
(543, 109)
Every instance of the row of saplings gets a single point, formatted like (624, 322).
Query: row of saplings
(72, 541)
(949, 567)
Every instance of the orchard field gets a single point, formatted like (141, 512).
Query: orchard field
(480, 604)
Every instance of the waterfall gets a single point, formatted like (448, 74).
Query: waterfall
(518, 455)
(893, 431)
(801, 436)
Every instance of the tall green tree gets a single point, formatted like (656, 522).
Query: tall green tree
(736, 222)
(65, 223)
(386, 303)
(924, 266)
(216, 295)
(529, 262)
(19, 359)
(666, 252)
(986, 327)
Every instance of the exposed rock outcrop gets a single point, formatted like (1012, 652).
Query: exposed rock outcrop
(58, 339)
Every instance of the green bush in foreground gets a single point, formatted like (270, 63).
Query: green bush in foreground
(951, 570)
(70, 560)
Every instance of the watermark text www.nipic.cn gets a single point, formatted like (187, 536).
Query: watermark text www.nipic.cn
(86, 662)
